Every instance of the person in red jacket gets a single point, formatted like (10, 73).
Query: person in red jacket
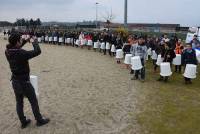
(178, 50)
(88, 37)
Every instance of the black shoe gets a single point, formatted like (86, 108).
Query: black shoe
(132, 72)
(42, 122)
(134, 78)
(166, 80)
(25, 124)
(160, 79)
(186, 82)
(189, 82)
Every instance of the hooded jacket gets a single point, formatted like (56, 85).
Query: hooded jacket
(139, 50)
(189, 57)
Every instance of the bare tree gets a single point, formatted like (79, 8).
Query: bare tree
(108, 18)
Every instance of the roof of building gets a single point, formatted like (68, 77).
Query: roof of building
(153, 25)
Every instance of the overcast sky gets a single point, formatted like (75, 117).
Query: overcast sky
(184, 12)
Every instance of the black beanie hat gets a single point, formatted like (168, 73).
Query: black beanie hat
(14, 38)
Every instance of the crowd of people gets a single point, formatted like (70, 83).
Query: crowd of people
(137, 49)
(144, 46)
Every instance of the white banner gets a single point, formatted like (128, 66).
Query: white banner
(199, 32)
(189, 37)
(198, 55)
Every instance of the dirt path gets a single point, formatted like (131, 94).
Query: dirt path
(83, 92)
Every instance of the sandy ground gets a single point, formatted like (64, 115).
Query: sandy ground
(81, 91)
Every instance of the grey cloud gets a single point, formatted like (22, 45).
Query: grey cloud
(184, 12)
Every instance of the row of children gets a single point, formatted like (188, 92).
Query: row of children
(166, 51)
(161, 50)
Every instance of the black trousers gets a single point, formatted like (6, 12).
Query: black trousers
(155, 65)
(25, 89)
(73, 42)
(141, 71)
(105, 51)
(187, 79)
(178, 68)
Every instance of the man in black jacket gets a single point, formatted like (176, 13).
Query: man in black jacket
(19, 65)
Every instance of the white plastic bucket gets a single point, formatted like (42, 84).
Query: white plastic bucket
(42, 38)
(159, 60)
(103, 46)
(165, 69)
(177, 60)
(46, 38)
(71, 40)
(107, 46)
(39, 39)
(136, 63)
(147, 57)
(65, 40)
(50, 38)
(154, 56)
(96, 45)
(119, 54)
(128, 59)
(55, 39)
(78, 42)
(60, 39)
(190, 71)
(68, 40)
(83, 42)
(113, 49)
(149, 52)
(34, 82)
(89, 43)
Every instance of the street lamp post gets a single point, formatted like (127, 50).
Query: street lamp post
(96, 14)
(125, 12)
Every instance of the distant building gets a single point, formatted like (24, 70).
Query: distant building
(182, 29)
(5, 25)
(91, 25)
(86, 24)
(148, 27)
